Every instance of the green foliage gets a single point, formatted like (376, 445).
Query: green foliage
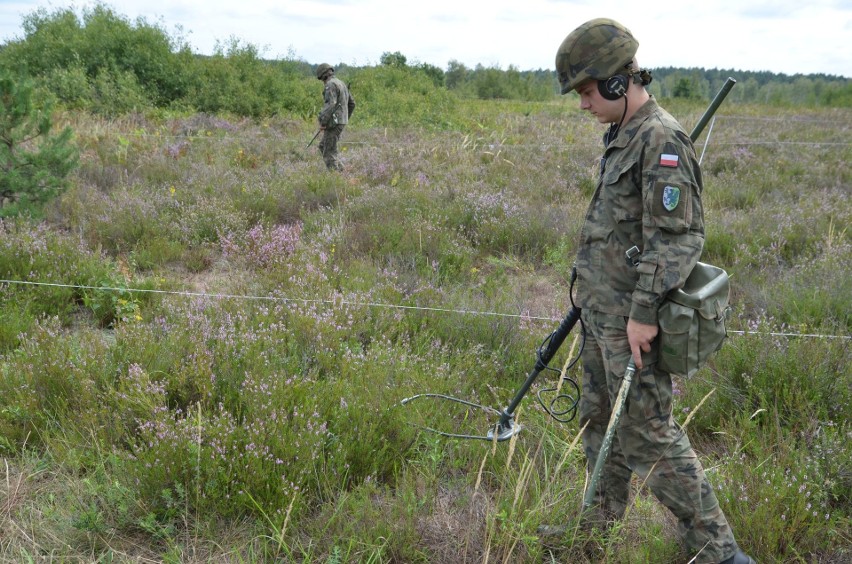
(433, 72)
(34, 163)
(457, 74)
(71, 86)
(295, 92)
(236, 80)
(792, 499)
(32, 253)
(109, 43)
(111, 302)
(116, 93)
(837, 95)
(104, 63)
(684, 89)
(487, 83)
(786, 376)
(395, 59)
(50, 387)
(101, 61)
(759, 87)
(399, 96)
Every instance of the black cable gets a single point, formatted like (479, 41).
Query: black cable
(564, 415)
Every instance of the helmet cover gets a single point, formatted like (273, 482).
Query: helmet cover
(322, 69)
(598, 49)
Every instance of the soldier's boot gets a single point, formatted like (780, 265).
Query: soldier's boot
(739, 557)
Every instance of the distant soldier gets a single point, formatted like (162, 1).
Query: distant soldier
(648, 197)
(338, 105)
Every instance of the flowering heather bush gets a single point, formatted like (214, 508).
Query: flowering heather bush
(801, 493)
(227, 462)
(202, 124)
(263, 248)
(35, 253)
(793, 375)
(52, 378)
(243, 408)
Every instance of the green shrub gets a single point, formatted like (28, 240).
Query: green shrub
(35, 163)
(68, 282)
(119, 58)
(399, 96)
(51, 386)
(797, 380)
(115, 93)
(70, 85)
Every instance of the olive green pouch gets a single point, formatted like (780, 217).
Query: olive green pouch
(692, 320)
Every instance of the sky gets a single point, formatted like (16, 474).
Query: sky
(780, 36)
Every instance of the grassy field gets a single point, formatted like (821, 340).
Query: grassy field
(205, 342)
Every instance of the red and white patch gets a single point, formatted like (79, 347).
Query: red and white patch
(668, 160)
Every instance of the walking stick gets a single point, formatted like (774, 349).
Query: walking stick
(606, 445)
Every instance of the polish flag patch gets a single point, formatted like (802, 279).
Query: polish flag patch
(668, 160)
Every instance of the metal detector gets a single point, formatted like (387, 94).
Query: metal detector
(505, 428)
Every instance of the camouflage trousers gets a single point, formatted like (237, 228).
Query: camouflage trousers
(648, 441)
(328, 147)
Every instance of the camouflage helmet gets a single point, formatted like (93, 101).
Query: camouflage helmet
(598, 49)
(322, 69)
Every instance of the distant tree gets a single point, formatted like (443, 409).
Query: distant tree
(684, 89)
(34, 165)
(395, 59)
(838, 95)
(457, 74)
(433, 72)
(490, 83)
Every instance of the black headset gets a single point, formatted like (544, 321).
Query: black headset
(613, 87)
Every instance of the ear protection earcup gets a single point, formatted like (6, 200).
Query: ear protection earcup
(613, 87)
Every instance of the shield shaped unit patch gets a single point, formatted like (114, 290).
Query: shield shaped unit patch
(671, 197)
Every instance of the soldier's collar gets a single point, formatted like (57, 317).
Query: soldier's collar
(629, 129)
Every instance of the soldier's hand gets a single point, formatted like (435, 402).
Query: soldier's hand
(640, 335)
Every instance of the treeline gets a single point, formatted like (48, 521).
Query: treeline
(760, 87)
(101, 61)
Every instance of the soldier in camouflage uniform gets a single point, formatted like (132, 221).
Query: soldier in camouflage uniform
(338, 105)
(648, 196)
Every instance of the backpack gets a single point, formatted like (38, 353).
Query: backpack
(692, 320)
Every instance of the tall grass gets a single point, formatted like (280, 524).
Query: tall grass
(218, 375)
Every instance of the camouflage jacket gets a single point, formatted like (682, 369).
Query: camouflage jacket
(648, 195)
(337, 103)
